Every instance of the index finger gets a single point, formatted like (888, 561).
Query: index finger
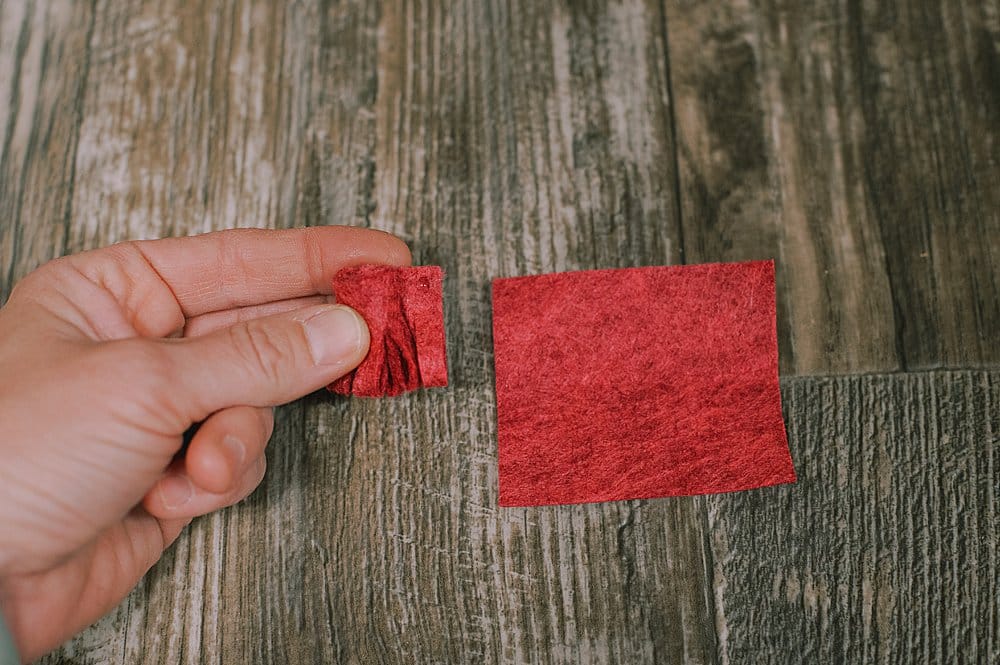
(241, 267)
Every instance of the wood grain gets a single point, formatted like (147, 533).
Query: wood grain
(44, 62)
(189, 122)
(511, 138)
(854, 143)
(886, 550)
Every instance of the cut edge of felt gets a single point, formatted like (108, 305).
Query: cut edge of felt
(651, 495)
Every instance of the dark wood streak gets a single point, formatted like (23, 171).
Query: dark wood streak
(930, 82)
(855, 144)
(46, 56)
(770, 167)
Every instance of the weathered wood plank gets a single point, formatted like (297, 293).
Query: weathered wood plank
(857, 143)
(44, 65)
(191, 121)
(423, 566)
(930, 73)
(887, 549)
(771, 165)
(505, 142)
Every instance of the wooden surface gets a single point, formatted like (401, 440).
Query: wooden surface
(854, 142)
(858, 143)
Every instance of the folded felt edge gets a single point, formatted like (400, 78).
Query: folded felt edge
(431, 359)
(430, 340)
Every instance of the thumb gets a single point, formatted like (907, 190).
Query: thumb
(267, 361)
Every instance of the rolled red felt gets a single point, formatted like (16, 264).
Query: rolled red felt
(638, 383)
(405, 315)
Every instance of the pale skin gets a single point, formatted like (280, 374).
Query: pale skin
(108, 357)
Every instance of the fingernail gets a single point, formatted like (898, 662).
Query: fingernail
(175, 491)
(335, 334)
(236, 450)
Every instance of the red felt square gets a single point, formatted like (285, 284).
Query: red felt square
(405, 316)
(637, 383)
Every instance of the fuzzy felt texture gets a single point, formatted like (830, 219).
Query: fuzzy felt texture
(638, 383)
(405, 316)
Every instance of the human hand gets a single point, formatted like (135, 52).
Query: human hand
(108, 357)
